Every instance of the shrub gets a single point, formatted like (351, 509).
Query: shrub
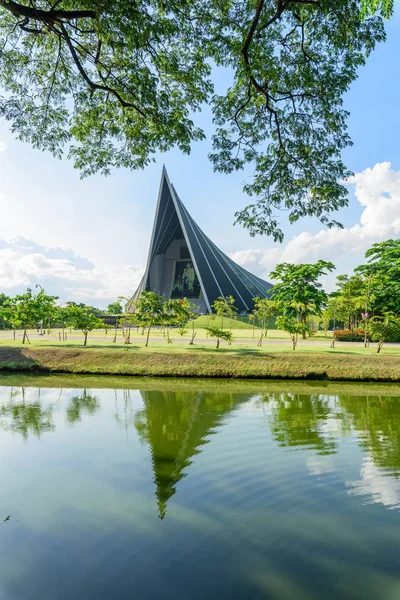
(346, 335)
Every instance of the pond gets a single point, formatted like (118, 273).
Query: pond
(119, 488)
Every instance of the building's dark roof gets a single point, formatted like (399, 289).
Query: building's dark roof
(218, 274)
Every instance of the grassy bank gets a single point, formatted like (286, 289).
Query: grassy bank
(335, 365)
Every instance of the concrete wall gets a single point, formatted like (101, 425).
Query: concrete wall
(162, 271)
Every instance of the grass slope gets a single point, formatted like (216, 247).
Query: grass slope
(333, 365)
(215, 321)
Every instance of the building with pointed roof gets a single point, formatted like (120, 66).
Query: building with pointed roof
(184, 263)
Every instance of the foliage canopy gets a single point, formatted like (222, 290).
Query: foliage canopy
(113, 82)
(298, 289)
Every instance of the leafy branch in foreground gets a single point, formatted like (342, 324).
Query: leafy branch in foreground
(115, 82)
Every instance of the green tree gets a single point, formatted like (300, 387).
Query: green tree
(177, 313)
(28, 310)
(298, 290)
(326, 319)
(150, 311)
(384, 329)
(220, 334)
(224, 306)
(350, 299)
(3, 299)
(129, 320)
(293, 327)
(115, 308)
(264, 310)
(84, 320)
(383, 273)
(115, 82)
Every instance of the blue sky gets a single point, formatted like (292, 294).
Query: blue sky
(88, 239)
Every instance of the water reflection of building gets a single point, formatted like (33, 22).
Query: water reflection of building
(176, 425)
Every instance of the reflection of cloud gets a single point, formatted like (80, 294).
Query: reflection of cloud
(23, 263)
(320, 464)
(376, 483)
(377, 191)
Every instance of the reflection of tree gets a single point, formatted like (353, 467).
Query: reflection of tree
(176, 425)
(298, 420)
(25, 418)
(81, 404)
(378, 421)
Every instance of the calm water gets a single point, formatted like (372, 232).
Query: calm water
(196, 491)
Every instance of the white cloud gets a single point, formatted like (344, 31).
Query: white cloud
(378, 191)
(3, 146)
(377, 485)
(23, 263)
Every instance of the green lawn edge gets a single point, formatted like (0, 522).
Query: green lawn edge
(342, 366)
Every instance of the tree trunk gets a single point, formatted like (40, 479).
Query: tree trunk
(85, 333)
(24, 337)
(169, 341)
(304, 334)
(148, 335)
(191, 343)
(294, 342)
(267, 327)
(14, 333)
(217, 343)
(259, 343)
(380, 344)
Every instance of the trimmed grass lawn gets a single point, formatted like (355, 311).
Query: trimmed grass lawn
(243, 342)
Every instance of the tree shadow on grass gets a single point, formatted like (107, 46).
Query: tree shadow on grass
(345, 352)
(232, 351)
(15, 359)
(90, 346)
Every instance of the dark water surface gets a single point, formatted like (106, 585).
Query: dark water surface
(200, 490)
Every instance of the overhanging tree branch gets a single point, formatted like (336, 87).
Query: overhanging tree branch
(92, 84)
(46, 16)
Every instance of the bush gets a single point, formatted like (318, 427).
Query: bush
(346, 335)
